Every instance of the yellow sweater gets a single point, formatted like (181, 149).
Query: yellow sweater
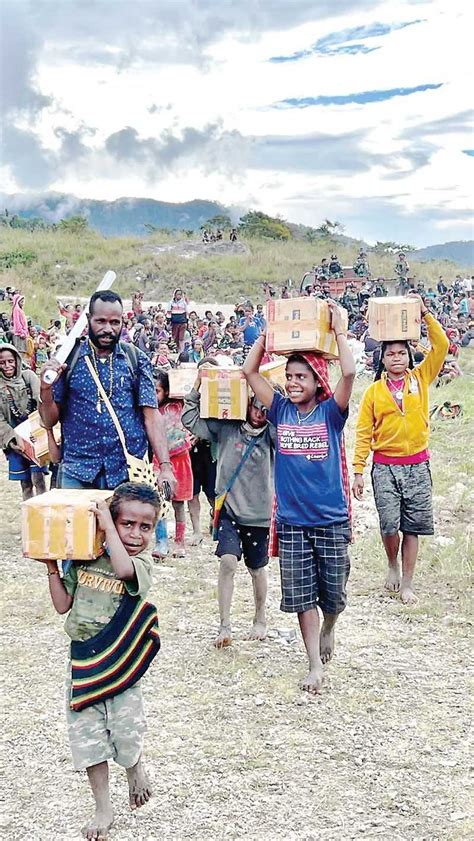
(382, 426)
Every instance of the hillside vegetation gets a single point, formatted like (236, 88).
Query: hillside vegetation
(46, 264)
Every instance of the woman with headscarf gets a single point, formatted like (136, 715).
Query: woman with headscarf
(393, 422)
(312, 490)
(19, 326)
(19, 396)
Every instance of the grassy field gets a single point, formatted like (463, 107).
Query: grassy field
(72, 264)
(234, 749)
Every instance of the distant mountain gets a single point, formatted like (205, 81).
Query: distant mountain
(460, 252)
(125, 216)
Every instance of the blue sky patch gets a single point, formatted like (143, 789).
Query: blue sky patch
(338, 42)
(361, 98)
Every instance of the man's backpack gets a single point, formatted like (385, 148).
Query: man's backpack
(131, 353)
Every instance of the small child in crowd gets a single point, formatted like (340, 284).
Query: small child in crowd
(179, 446)
(93, 595)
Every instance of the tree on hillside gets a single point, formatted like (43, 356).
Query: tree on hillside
(221, 220)
(74, 225)
(390, 247)
(256, 224)
(330, 229)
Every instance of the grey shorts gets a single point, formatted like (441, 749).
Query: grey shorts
(403, 497)
(314, 567)
(111, 729)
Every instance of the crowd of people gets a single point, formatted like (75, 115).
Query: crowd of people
(277, 483)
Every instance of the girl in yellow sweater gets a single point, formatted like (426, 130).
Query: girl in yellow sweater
(393, 422)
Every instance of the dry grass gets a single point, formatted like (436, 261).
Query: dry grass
(234, 749)
(71, 264)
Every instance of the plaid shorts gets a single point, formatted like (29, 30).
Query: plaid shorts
(403, 497)
(314, 567)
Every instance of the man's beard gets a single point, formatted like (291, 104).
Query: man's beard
(95, 341)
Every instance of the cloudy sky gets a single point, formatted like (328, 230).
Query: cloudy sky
(354, 110)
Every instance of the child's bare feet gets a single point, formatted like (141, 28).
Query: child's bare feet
(392, 581)
(98, 828)
(138, 785)
(313, 681)
(326, 643)
(196, 539)
(258, 631)
(224, 637)
(179, 550)
(407, 595)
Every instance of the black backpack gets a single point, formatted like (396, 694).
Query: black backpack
(131, 352)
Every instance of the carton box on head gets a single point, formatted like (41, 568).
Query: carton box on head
(275, 371)
(295, 324)
(394, 319)
(224, 393)
(182, 380)
(59, 525)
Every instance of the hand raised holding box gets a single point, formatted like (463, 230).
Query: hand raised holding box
(102, 514)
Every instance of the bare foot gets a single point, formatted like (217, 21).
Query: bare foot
(224, 637)
(139, 787)
(196, 540)
(258, 631)
(98, 828)
(313, 681)
(326, 643)
(407, 595)
(179, 551)
(392, 581)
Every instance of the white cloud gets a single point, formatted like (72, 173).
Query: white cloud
(171, 74)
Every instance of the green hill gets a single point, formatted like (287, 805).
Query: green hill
(46, 264)
(123, 217)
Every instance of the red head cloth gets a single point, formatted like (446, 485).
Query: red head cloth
(320, 366)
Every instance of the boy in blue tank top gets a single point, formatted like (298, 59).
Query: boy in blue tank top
(312, 491)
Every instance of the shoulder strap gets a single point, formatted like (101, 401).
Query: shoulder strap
(129, 349)
(71, 361)
(253, 443)
(131, 352)
(107, 402)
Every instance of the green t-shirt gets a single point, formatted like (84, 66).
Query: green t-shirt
(97, 593)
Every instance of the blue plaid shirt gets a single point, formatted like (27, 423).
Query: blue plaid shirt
(90, 441)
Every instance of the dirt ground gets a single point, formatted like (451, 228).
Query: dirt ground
(234, 749)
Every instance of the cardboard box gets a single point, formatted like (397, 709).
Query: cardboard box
(295, 324)
(275, 371)
(58, 525)
(224, 393)
(394, 319)
(35, 439)
(182, 380)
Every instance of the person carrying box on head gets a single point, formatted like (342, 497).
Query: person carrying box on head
(244, 498)
(393, 422)
(312, 490)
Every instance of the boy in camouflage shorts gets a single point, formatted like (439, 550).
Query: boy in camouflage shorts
(91, 595)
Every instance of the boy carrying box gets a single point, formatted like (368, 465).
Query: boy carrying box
(104, 602)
